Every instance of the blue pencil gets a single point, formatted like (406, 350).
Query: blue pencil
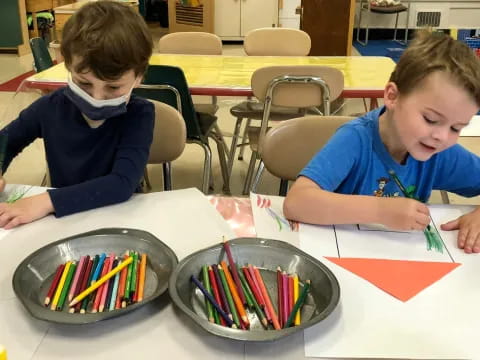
(98, 269)
(115, 289)
(212, 301)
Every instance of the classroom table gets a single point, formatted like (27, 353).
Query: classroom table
(221, 75)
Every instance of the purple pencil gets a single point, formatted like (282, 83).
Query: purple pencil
(223, 297)
(285, 295)
(76, 277)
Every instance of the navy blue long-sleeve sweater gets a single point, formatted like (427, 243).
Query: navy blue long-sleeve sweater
(89, 167)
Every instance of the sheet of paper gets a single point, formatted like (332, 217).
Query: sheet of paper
(438, 323)
(473, 129)
(183, 219)
(270, 223)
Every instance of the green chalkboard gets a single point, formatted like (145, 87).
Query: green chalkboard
(10, 28)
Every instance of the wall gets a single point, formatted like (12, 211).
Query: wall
(287, 16)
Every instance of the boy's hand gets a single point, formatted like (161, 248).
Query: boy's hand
(399, 213)
(25, 210)
(469, 231)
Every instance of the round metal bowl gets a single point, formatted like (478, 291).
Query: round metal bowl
(33, 276)
(267, 255)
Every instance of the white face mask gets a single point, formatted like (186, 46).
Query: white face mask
(93, 108)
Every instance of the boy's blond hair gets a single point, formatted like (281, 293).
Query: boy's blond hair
(109, 38)
(430, 52)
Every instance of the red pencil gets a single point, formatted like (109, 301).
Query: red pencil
(268, 302)
(280, 296)
(233, 269)
(84, 281)
(53, 286)
(251, 279)
(107, 284)
(98, 295)
(216, 294)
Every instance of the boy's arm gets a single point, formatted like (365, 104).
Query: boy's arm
(307, 202)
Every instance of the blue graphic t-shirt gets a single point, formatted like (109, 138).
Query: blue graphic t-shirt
(355, 161)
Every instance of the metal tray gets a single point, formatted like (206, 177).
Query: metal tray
(34, 275)
(267, 255)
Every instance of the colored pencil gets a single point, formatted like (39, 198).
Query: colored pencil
(76, 276)
(121, 285)
(107, 292)
(229, 297)
(84, 282)
(133, 282)
(216, 294)
(54, 284)
(98, 268)
(248, 293)
(290, 294)
(128, 283)
(280, 296)
(84, 306)
(233, 269)
(206, 285)
(102, 280)
(221, 291)
(295, 298)
(66, 286)
(261, 300)
(266, 297)
(143, 272)
(212, 301)
(235, 295)
(285, 296)
(99, 294)
(135, 294)
(298, 303)
(58, 292)
(116, 280)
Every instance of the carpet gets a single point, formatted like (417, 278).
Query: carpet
(13, 84)
(389, 48)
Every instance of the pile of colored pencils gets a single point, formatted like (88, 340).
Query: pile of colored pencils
(98, 283)
(230, 291)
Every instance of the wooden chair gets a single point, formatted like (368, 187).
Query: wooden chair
(288, 147)
(194, 42)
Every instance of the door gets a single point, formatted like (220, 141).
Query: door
(330, 26)
(257, 14)
(227, 18)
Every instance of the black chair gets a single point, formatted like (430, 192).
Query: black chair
(41, 55)
(168, 84)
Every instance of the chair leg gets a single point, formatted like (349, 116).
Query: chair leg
(244, 139)
(445, 198)
(222, 139)
(248, 179)
(207, 165)
(258, 176)
(233, 145)
(167, 176)
(396, 27)
(360, 23)
(223, 162)
(282, 191)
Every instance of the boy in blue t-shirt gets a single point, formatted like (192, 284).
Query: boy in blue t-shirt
(97, 135)
(382, 167)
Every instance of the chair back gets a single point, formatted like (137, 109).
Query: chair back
(195, 43)
(300, 94)
(288, 147)
(169, 135)
(277, 42)
(41, 56)
(173, 77)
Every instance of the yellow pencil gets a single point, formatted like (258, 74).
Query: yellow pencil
(100, 281)
(58, 292)
(295, 298)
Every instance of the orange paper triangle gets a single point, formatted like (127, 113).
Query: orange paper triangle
(400, 278)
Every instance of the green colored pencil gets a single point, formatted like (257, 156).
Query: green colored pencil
(208, 287)
(133, 282)
(128, 281)
(228, 294)
(66, 286)
(249, 294)
(298, 304)
(245, 288)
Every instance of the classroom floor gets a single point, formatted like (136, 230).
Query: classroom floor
(29, 166)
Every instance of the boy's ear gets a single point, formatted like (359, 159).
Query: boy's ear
(390, 95)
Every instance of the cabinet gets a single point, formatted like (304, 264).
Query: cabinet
(235, 18)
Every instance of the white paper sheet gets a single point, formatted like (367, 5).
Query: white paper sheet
(473, 129)
(270, 223)
(438, 323)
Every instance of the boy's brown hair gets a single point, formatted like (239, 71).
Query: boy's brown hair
(430, 52)
(109, 38)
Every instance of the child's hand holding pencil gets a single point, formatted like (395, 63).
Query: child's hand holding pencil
(399, 213)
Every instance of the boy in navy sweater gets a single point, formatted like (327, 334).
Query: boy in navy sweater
(97, 135)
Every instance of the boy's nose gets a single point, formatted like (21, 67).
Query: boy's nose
(440, 134)
(98, 94)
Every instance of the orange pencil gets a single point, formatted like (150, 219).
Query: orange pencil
(266, 297)
(235, 296)
(141, 280)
